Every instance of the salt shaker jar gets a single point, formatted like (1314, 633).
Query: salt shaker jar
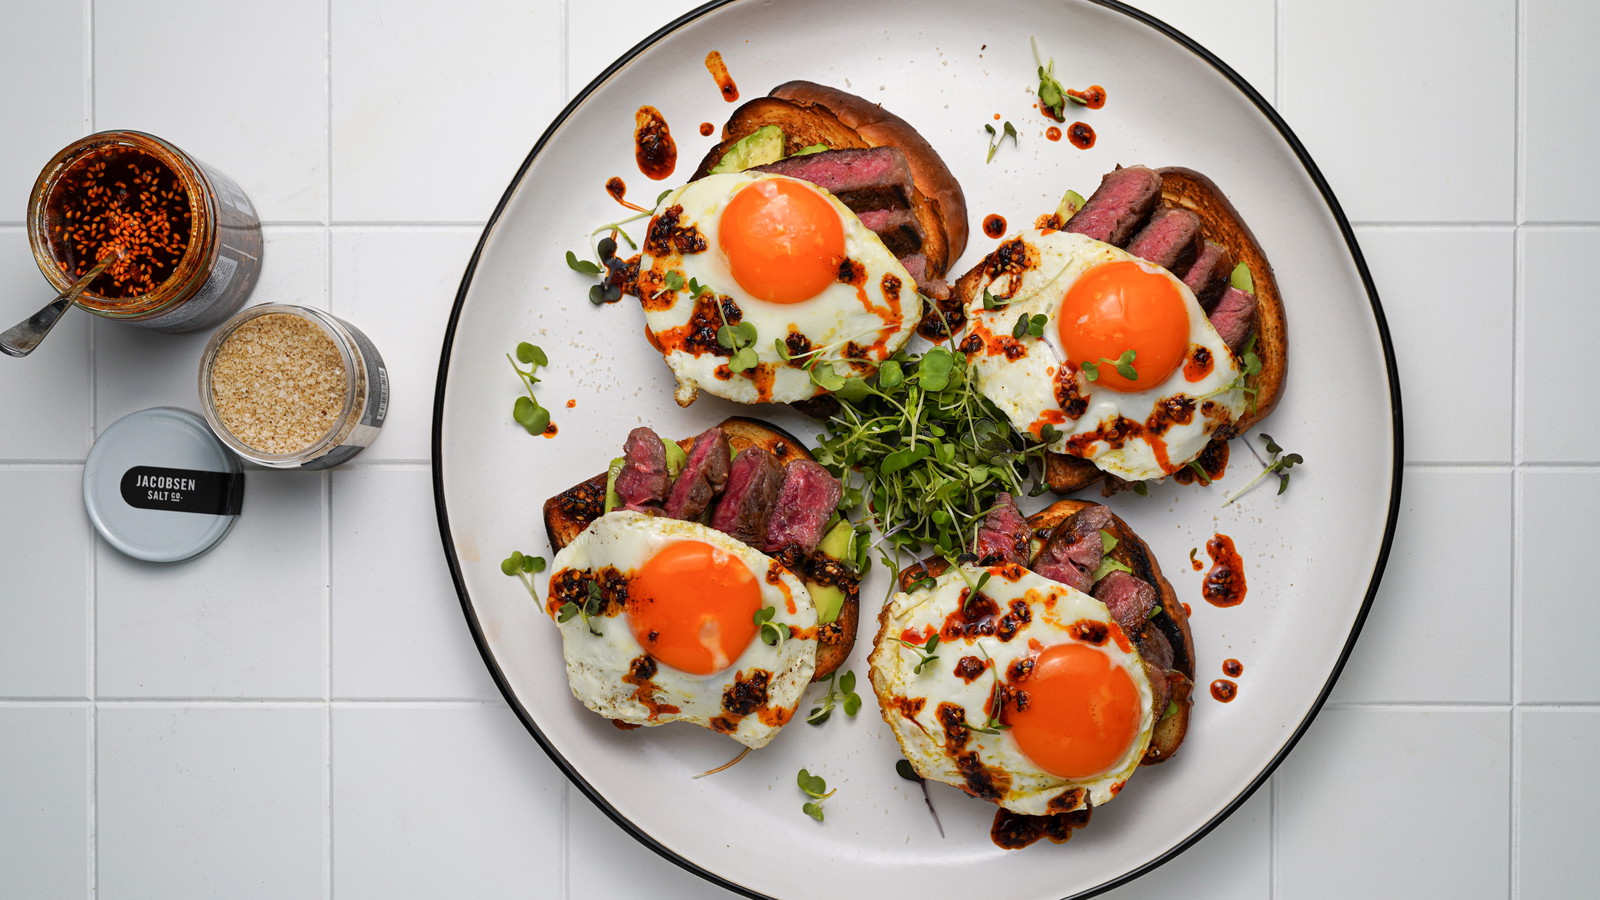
(292, 387)
(188, 238)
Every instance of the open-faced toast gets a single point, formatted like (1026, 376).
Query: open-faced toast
(568, 513)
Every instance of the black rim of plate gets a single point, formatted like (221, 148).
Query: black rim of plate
(1311, 169)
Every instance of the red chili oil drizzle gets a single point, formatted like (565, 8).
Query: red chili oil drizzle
(121, 199)
(1232, 668)
(1013, 831)
(1224, 690)
(994, 225)
(653, 147)
(1093, 97)
(1194, 562)
(1224, 584)
(1081, 135)
(550, 430)
(1213, 459)
(618, 190)
(719, 71)
(1053, 133)
(706, 128)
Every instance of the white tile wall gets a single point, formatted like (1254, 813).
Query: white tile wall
(302, 712)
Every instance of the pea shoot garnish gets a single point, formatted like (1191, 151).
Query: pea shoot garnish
(1052, 96)
(772, 633)
(593, 602)
(1200, 472)
(841, 691)
(527, 411)
(1278, 464)
(1123, 364)
(815, 787)
(924, 651)
(1030, 325)
(739, 337)
(997, 137)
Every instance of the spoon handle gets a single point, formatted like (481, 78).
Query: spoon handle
(21, 338)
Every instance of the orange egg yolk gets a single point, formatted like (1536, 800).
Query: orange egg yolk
(1082, 713)
(693, 606)
(783, 240)
(1119, 306)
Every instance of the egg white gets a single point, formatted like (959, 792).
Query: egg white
(1055, 607)
(840, 313)
(1023, 388)
(596, 664)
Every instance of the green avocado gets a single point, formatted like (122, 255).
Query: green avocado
(829, 599)
(759, 147)
(675, 460)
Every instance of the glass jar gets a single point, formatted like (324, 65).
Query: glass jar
(188, 237)
(292, 387)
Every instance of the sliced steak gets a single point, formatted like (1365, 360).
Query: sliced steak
(1002, 535)
(704, 473)
(873, 178)
(917, 266)
(1129, 598)
(897, 228)
(1171, 239)
(752, 488)
(643, 482)
(1208, 274)
(806, 499)
(1074, 549)
(1234, 317)
(1123, 200)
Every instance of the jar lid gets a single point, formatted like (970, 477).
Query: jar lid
(159, 486)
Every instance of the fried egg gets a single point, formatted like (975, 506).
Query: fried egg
(663, 627)
(1108, 315)
(1036, 699)
(784, 256)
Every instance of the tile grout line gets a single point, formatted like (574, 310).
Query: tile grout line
(1519, 209)
(94, 546)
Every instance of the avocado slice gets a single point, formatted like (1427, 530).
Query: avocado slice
(675, 460)
(828, 598)
(759, 147)
(1071, 202)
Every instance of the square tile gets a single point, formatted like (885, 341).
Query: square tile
(1397, 803)
(398, 630)
(1233, 861)
(1242, 32)
(44, 830)
(247, 619)
(398, 286)
(45, 105)
(211, 802)
(444, 802)
(294, 266)
(435, 106)
(44, 399)
(1557, 824)
(44, 618)
(1559, 517)
(633, 870)
(597, 33)
(1363, 79)
(1559, 407)
(1560, 73)
(249, 94)
(1457, 306)
(1439, 630)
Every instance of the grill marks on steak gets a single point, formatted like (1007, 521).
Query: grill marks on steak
(643, 482)
(1003, 534)
(805, 500)
(876, 184)
(1124, 211)
(1074, 549)
(703, 476)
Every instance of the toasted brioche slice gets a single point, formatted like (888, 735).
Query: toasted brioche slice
(1133, 552)
(1220, 223)
(568, 513)
(812, 114)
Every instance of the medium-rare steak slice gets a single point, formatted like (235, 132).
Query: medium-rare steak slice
(1125, 198)
(1003, 534)
(1208, 274)
(806, 499)
(643, 482)
(747, 498)
(1074, 549)
(896, 227)
(704, 473)
(1234, 316)
(1171, 239)
(875, 178)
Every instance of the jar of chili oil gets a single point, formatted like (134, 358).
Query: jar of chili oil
(188, 239)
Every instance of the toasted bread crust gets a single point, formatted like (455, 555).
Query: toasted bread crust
(1133, 552)
(568, 513)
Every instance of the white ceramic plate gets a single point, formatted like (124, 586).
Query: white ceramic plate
(1312, 556)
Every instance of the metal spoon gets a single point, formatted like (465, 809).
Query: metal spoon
(21, 338)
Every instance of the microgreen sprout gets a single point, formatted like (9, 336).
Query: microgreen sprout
(523, 567)
(1052, 96)
(1030, 325)
(1250, 365)
(593, 602)
(996, 137)
(991, 302)
(991, 722)
(924, 651)
(973, 587)
(815, 787)
(1278, 464)
(841, 690)
(1123, 364)
(903, 768)
(772, 633)
(1199, 471)
(527, 411)
(739, 337)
